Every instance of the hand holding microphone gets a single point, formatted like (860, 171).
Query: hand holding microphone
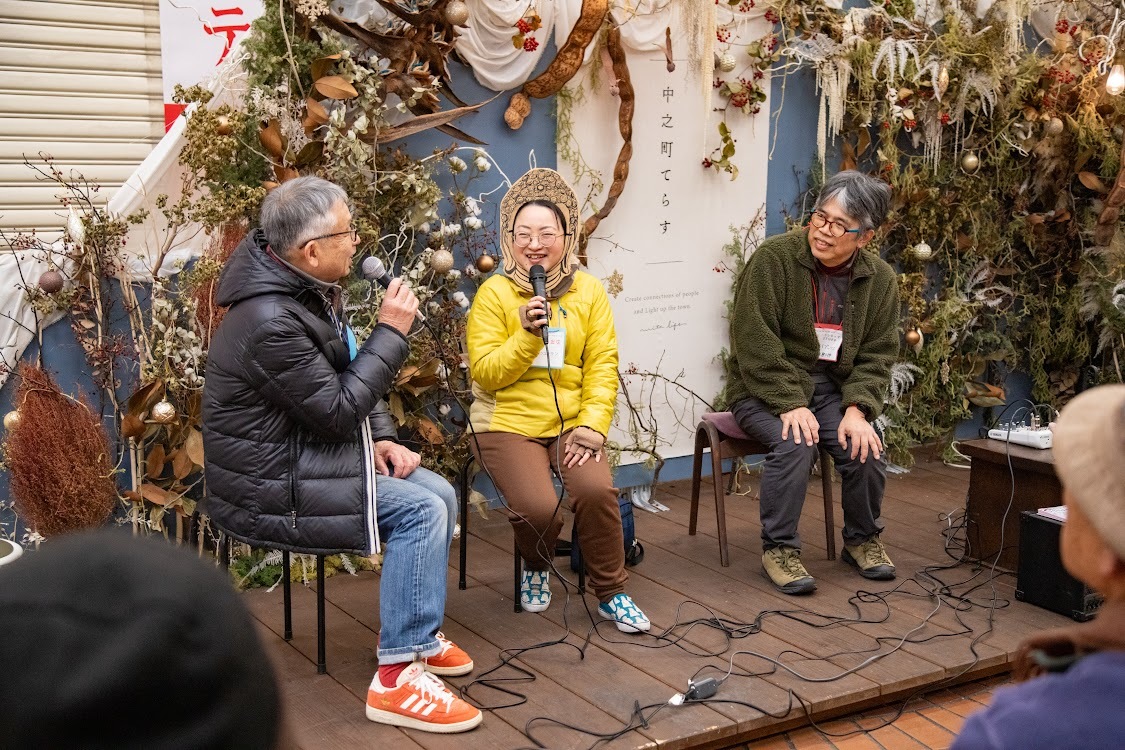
(538, 304)
(400, 306)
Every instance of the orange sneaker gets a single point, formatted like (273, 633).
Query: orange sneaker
(451, 662)
(420, 701)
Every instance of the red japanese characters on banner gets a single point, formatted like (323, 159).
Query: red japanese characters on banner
(195, 37)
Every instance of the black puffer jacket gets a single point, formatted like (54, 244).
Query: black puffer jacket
(288, 420)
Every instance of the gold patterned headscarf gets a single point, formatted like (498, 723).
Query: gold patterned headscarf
(548, 185)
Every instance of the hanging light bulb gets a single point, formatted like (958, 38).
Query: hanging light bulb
(1115, 84)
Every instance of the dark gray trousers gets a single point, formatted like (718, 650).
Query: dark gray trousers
(785, 476)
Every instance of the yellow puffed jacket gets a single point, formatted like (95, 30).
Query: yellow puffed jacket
(512, 396)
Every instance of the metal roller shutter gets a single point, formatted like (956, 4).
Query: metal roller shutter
(80, 80)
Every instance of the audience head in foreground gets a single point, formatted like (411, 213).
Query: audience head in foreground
(110, 641)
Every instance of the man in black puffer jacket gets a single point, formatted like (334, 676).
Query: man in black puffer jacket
(301, 450)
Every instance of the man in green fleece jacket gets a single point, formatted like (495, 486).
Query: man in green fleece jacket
(813, 334)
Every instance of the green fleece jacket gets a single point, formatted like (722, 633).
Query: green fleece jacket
(774, 346)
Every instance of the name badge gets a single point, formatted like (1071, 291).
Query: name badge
(830, 338)
(555, 349)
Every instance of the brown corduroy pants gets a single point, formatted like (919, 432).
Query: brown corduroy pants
(521, 468)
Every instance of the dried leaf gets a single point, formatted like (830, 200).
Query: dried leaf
(864, 141)
(132, 426)
(145, 397)
(284, 174)
(429, 431)
(181, 464)
(271, 139)
(395, 406)
(312, 151)
(335, 87)
(1035, 219)
(315, 113)
(480, 502)
(154, 463)
(155, 494)
(983, 394)
(193, 447)
(1093, 182)
(321, 65)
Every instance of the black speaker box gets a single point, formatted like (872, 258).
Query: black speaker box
(1041, 579)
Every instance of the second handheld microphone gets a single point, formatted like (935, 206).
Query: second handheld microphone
(374, 271)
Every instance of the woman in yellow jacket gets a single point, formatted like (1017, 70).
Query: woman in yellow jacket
(538, 406)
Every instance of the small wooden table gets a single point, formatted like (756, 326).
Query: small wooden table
(1029, 483)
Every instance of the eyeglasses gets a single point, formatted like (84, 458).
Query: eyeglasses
(834, 228)
(350, 230)
(546, 239)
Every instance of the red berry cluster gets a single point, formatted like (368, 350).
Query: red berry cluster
(745, 6)
(945, 118)
(530, 44)
(706, 163)
(1060, 75)
(722, 34)
(772, 17)
(1062, 26)
(523, 26)
(910, 124)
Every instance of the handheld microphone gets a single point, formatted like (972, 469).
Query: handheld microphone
(538, 278)
(375, 272)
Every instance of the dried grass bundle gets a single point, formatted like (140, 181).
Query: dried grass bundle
(58, 456)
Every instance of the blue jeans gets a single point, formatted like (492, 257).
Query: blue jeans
(416, 517)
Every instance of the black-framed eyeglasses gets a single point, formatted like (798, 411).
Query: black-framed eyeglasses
(833, 227)
(546, 239)
(350, 230)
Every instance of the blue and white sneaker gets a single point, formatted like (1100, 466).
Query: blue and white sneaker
(535, 591)
(626, 615)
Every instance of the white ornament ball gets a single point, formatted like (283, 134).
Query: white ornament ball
(163, 412)
(970, 162)
(922, 251)
(726, 62)
(457, 13)
(11, 419)
(1054, 126)
(441, 261)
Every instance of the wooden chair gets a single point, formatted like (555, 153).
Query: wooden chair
(465, 485)
(719, 432)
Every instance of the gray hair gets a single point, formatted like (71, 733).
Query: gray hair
(298, 210)
(862, 197)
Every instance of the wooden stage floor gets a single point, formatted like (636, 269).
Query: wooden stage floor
(680, 580)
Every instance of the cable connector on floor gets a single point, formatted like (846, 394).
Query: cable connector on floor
(702, 689)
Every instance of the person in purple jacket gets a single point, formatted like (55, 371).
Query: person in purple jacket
(1071, 690)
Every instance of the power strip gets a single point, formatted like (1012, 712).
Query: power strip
(1038, 438)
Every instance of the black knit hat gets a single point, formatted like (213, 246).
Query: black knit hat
(109, 641)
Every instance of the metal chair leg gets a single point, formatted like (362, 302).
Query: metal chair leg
(516, 577)
(463, 548)
(287, 595)
(321, 661)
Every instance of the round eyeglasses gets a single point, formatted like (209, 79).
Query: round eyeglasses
(350, 230)
(833, 227)
(546, 239)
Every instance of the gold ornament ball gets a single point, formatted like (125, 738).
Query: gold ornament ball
(11, 419)
(486, 263)
(51, 281)
(913, 337)
(1054, 126)
(457, 13)
(726, 62)
(922, 251)
(163, 413)
(441, 261)
(970, 162)
(222, 125)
